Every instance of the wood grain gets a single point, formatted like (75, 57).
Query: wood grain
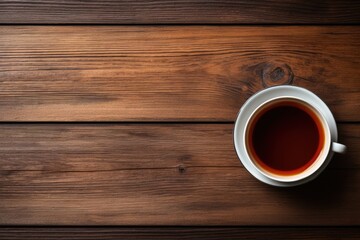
(151, 174)
(107, 233)
(182, 11)
(170, 73)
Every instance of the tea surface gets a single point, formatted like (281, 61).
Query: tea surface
(285, 138)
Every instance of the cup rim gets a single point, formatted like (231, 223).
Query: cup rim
(269, 93)
(315, 165)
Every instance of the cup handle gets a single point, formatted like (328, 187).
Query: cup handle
(338, 147)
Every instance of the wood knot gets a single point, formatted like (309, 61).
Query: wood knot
(181, 168)
(275, 74)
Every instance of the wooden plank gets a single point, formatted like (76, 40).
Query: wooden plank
(150, 174)
(183, 11)
(107, 233)
(187, 73)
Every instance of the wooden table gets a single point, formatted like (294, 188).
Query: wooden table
(117, 117)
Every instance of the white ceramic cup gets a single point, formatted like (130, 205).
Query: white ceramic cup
(286, 93)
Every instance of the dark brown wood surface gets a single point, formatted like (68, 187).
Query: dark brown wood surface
(116, 117)
(182, 11)
(170, 73)
(167, 174)
(108, 233)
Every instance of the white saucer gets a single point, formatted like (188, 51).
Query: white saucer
(256, 101)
